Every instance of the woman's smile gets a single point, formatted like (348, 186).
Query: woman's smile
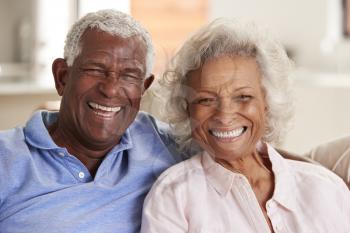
(227, 135)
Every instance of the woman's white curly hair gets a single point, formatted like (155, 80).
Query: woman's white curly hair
(113, 22)
(225, 37)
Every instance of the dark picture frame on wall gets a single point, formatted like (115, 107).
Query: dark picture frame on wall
(346, 18)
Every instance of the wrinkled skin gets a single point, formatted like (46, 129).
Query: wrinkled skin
(226, 99)
(101, 94)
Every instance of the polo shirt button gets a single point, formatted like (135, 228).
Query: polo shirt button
(81, 175)
(61, 154)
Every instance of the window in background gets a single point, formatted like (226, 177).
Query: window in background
(52, 21)
(85, 6)
(33, 36)
(16, 41)
(59, 15)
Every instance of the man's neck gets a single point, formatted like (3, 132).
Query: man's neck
(91, 158)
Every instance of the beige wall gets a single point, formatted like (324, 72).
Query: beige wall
(16, 108)
(322, 111)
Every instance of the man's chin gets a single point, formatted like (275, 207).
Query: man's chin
(99, 137)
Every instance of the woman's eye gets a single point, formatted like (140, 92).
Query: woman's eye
(131, 79)
(244, 97)
(206, 101)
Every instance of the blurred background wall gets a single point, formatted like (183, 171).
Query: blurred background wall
(312, 32)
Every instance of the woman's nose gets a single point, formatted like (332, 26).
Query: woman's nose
(226, 111)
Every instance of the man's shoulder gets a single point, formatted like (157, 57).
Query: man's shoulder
(147, 121)
(152, 139)
(14, 152)
(152, 129)
(11, 139)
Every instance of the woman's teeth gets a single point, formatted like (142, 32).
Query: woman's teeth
(228, 134)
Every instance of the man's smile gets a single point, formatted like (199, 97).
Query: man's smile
(104, 111)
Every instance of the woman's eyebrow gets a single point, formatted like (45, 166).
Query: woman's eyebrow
(243, 88)
(136, 70)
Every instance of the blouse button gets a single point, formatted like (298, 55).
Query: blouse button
(272, 205)
(279, 227)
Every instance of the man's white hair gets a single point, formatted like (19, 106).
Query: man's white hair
(224, 37)
(113, 22)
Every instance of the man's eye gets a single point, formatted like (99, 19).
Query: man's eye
(205, 101)
(94, 72)
(133, 79)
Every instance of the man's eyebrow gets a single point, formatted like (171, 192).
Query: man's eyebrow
(93, 63)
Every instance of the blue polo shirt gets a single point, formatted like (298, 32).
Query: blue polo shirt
(43, 188)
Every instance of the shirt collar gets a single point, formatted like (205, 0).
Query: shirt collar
(219, 177)
(222, 179)
(285, 184)
(37, 135)
(35, 130)
(125, 143)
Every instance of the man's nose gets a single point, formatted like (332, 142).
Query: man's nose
(110, 86)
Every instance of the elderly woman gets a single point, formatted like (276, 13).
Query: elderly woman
(230, 94)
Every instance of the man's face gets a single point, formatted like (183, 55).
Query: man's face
(101, 91)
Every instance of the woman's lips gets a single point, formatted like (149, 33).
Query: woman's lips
(228, 134)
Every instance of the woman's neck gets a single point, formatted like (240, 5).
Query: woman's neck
(252, 166)
(257, 169)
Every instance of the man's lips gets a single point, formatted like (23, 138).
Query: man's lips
(104, 108)
(104, 111)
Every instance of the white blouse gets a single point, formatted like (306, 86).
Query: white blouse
(199, 195)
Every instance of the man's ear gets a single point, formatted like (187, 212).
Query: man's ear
(60, 74)
(147, 83)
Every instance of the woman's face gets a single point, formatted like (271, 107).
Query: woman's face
(227, 106)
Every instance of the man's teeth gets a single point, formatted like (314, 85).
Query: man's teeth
(104, 108)
(228, 134)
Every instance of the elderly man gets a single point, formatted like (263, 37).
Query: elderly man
(88, 167)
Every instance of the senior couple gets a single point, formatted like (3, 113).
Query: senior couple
(89, 167)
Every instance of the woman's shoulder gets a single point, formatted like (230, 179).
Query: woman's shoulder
(310, 173)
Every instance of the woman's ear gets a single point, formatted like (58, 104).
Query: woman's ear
(60, 74)
(186, 106)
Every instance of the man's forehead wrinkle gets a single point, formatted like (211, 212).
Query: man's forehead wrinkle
(130, 57)
(127, 65)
